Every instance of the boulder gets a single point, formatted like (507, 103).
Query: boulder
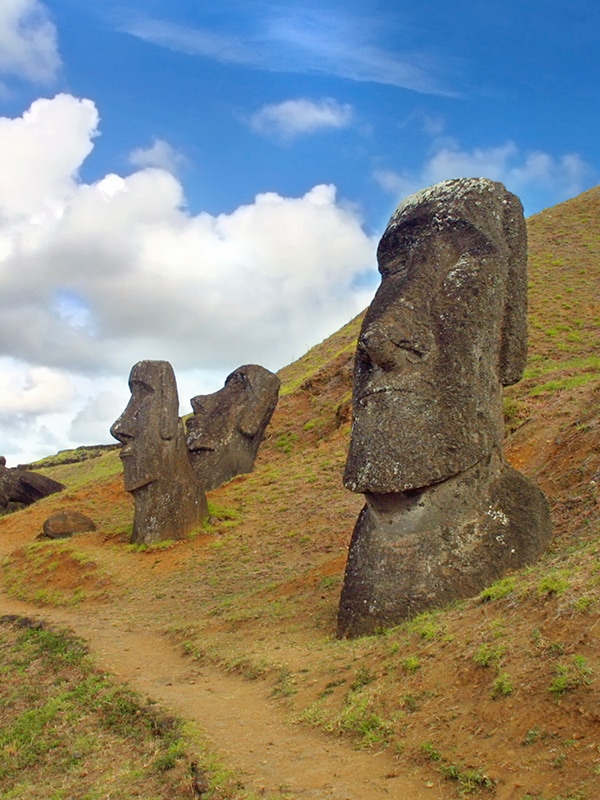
(66, 523)
(20, 488)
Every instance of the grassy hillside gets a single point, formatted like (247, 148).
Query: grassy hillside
(498, 694)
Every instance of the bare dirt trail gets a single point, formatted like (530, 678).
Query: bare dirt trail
(246, 727)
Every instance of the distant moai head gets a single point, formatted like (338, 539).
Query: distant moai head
(446, 329)
(148, 427)
(227, 427)
(157, 469)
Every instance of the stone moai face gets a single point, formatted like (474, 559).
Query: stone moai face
(148, 426)
(445, 331)
(445, 514)
(225, 431)
(156, 464)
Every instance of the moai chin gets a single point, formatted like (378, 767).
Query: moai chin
(157, 469)
(445, 514)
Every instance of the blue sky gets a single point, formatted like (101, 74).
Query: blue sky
(207, 183)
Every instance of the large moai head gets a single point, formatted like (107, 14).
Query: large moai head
(156, 465)
(446, 329)
(445, 514)
(225, 431)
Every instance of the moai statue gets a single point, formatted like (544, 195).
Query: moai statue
(227, 427)
(22, 487)
(445, 514)
(157, 469)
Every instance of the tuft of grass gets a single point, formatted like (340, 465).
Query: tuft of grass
(502, 686)
(360, 719)
(426, 625)
(487, 654)
(570, 675)
(554, 583)
(411, 664)
(469, 779)
(498, 590)
(430, 751)
(363, 677)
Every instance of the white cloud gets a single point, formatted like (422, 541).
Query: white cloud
(40, 154)
(94, 277)
(302, 40)
(539, 178)
(160, 154)
(28, 46)
(185, 39)
(32, 390)
(293, 118)
(91, 424)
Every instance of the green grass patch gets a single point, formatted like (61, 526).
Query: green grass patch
(571, 382)
(498, 590)
(569, 675)
(69, 731)
(488, 654)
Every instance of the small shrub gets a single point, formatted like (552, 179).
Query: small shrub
(531, 737)
(555, 582)
(410, 664)
(430, 751)
(487, 654)
(502, 686)
(469, 780)
(570, 675)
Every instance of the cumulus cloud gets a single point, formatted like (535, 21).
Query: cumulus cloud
(537, 177)
(293, 118)
(94, 277)
(28, 46)
(40, 154)
(160, 154)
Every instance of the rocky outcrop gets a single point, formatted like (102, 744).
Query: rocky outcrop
(65, 524)
(19, 487)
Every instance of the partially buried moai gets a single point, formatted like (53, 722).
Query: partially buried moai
(445, 514)
(169, 501)
(227, 427)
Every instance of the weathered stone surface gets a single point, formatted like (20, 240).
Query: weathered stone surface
(412, 551)
(67, 523)
(157, 469)
(227, 427)
(23, 487)
(445, 331)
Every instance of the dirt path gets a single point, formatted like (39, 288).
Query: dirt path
(247, 728)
